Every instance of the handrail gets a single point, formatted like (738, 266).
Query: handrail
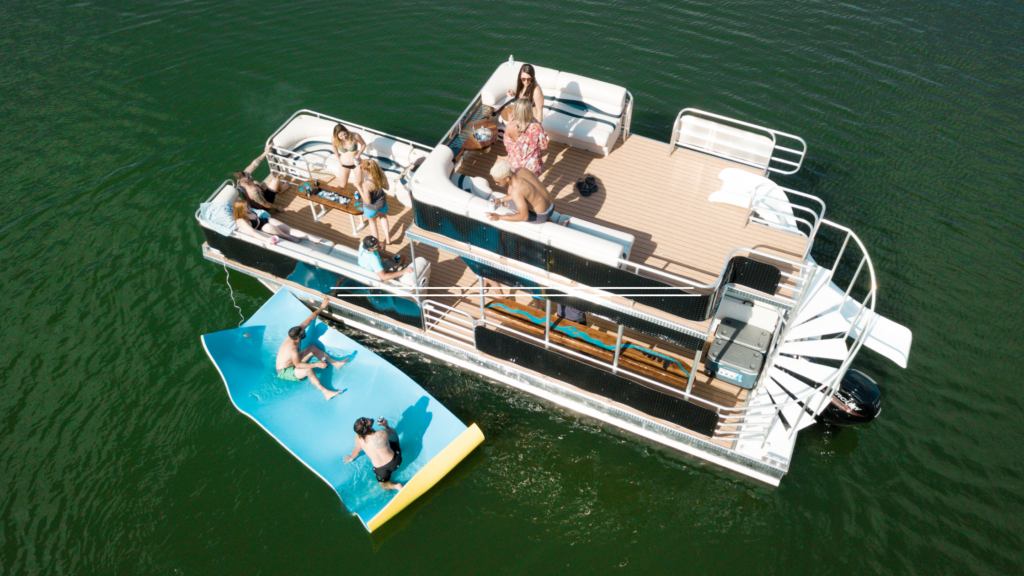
(773, 134)
(340, 121)
(758, 194)
(627, 121)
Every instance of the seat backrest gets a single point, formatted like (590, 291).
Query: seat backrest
(505, 77)
(608, 97)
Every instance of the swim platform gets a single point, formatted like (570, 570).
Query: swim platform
(319, 432)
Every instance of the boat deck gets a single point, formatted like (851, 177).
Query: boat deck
(659, 198)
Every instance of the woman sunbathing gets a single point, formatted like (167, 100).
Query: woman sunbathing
(266, 228)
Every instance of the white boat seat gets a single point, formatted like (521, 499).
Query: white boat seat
(578, 111)
(725, 141)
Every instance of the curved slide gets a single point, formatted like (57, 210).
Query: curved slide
(319, 432)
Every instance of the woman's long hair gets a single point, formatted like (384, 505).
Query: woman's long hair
(522, 114)
(238, 209)
(519, 82)
(376, 174)
(338, 131)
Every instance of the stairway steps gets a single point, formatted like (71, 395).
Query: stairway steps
(811, 370)
(832, 348)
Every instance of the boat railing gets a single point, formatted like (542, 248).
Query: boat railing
(348, 124)
(787, 153)
(818, 280)
(627, 116)
(744, 417)
(761, 202)
(454, 323)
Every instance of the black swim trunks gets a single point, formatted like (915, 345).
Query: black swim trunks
(384, 472)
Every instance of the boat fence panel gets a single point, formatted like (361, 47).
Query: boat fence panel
(665, 297)
(397, 308)
(597, 381)
(632, 322)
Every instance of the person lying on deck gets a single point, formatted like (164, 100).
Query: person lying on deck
(291, 362)
(266, 228)
(381, 446)
(527, 197)
(371, 258)
(260, 194)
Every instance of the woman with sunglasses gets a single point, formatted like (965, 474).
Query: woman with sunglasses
(527, 87)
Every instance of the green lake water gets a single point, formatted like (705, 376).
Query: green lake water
(120, 452)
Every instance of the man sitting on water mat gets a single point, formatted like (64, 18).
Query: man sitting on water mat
(291, 363)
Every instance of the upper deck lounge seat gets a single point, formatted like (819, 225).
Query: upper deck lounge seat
(578, 111)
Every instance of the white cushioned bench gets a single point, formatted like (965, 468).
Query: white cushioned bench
(433, 185)
(578, 111)
(309, 138)
(337, 257)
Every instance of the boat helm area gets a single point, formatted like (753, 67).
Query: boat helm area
(676, 298)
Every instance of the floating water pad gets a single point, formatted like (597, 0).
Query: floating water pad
(319, 432)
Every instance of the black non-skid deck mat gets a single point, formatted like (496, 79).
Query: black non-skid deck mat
(597, 381)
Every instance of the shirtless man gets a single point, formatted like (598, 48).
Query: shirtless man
(382, 447)
(291, 362)
(260, 194)
(526, 195)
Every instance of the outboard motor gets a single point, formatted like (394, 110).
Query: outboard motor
(858, 401)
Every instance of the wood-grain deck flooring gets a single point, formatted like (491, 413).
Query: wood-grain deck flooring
(660, 199)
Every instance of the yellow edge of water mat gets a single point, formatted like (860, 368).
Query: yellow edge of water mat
(429, 475)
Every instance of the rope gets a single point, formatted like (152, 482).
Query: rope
(227, 279)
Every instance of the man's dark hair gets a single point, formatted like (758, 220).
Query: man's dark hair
(369, 242)
(363, 426)
(296, 332)
(239, 176)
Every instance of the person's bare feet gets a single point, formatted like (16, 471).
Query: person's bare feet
(340, 363)
(391, 486)
(329, 394)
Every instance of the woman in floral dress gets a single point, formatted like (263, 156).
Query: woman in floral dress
(525, 139)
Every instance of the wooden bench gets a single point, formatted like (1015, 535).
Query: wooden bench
(654, 365)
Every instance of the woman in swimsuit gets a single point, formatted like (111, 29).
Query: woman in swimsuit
(347, 146)
(375, 200)
(524, 139)
(249, 223)
(527, 87)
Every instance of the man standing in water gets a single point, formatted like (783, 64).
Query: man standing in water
(291, 363)
(382, 447)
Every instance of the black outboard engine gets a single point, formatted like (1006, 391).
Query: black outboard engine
(857, 401)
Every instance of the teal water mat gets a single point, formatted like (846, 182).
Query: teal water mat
(319, 432)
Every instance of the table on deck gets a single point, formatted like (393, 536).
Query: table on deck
(326, 205)
(481, 118)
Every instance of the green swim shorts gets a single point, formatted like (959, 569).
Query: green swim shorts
(288, 374)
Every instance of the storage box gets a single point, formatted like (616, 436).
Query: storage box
(733, 362)
(747, 335)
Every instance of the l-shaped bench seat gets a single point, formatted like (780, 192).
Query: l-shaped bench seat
(303, 148)
(342, 259)
(578, 111)
(432, 184)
